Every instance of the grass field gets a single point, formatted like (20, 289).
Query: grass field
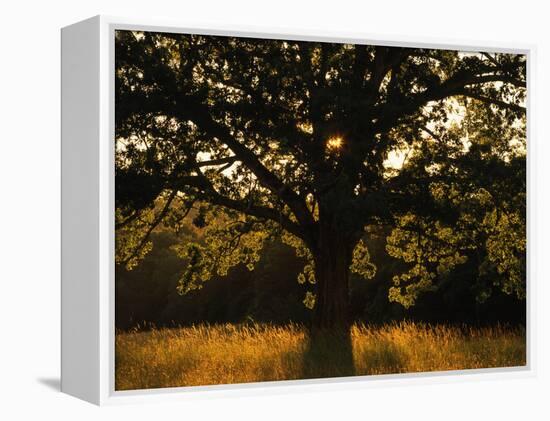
(223, 354)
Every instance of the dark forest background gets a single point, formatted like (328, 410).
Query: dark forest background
(147, 295)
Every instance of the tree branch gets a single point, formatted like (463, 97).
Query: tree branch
(209, 193)
(158, 219)
(502, 104)
(219, 161)
(455, 85)
(202, 117)
(126, 221)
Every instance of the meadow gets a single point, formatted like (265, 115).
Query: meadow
(225, 354)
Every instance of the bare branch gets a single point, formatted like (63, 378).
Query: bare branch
(158, 219)
(219, 161)
(502, 104)
(491, 59)
(125, 222)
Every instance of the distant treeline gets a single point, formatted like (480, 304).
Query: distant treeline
(147, 295)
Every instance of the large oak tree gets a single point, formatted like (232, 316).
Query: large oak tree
(318, 143)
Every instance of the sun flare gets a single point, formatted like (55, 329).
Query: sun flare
(335, 143)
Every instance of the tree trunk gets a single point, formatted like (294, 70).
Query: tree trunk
(330, 351)
(332, 261)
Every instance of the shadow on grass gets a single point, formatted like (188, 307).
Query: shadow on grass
(383, 357)
(328, 354)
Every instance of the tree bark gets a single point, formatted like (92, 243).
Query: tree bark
(332, 261)
(330, 351)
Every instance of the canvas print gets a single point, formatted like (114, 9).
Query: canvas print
(302, 210)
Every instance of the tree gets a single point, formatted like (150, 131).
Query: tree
(316, 142)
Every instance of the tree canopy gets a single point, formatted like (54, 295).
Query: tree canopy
(320, 144)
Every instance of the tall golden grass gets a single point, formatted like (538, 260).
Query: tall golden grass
(224, 354)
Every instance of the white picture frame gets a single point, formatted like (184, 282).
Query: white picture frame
(88, 215)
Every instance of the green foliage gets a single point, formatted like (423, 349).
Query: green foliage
(131, 243)
(361, 262)
(225, 243)
(497, 242)
(148, 292)
(307, 275)
(198, 269)
(485, 227)
(309, 300)
(257, 139)
(505, 247)
(432, 250)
